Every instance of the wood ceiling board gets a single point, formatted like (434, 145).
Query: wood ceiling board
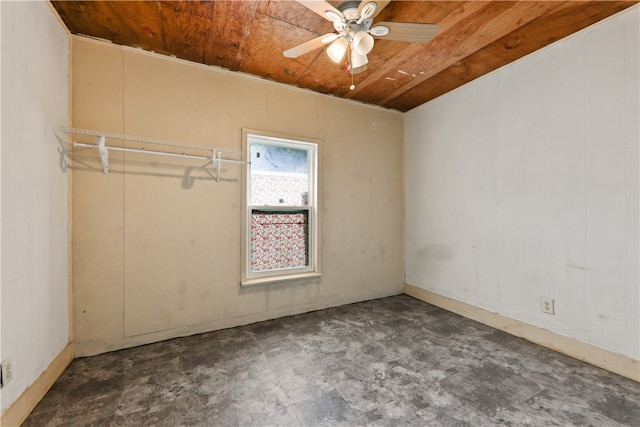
(129, 23)
(232, 22)
(410, 66)
(561, 22)
(251, 35)
(444, 13)
(263, 54)
(185, 32)
(496, 20)
(376, 90)
(203, 8)
(414, 50)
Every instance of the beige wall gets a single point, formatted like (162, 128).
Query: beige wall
(156, 242)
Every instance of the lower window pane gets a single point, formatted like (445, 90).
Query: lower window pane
(279, 239)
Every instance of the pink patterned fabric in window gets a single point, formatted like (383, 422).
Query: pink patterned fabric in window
(279, 240)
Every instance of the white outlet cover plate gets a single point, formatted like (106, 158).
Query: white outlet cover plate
(547, 305)
(7, 371)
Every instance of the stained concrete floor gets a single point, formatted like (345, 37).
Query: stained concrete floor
(388, 362)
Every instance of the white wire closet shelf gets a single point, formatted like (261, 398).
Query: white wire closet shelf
(161, 147)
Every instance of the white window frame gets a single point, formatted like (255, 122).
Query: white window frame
(312, 146)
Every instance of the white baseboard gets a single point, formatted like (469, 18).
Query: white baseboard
(15, 414)
(614, 362)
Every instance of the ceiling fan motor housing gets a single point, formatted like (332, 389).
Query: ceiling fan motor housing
(353, 21)
(350, 10)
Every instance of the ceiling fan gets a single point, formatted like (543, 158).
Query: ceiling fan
(355, 32)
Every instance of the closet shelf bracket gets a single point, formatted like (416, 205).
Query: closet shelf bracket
(104, 153)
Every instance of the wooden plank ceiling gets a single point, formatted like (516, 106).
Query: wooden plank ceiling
(474, 38)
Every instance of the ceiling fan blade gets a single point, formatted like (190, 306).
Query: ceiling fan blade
(406, 32)
(321, 7)
(306, 47)
(380, 4)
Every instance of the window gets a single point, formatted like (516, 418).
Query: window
(280, 224)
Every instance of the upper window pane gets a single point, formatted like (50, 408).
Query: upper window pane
(279, 175)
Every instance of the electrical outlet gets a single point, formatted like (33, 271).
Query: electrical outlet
(547, 306)
(7, 372)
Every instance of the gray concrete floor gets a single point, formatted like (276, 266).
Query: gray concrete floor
(387, 362)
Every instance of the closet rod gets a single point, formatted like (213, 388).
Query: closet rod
(161, 153)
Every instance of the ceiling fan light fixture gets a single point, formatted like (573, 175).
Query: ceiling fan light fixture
(358, 62)
(356, 70)
(337, 49)
(379, 30)
(362, 42)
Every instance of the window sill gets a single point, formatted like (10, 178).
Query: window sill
(279, 279)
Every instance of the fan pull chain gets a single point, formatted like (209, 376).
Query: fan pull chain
(353, 86)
